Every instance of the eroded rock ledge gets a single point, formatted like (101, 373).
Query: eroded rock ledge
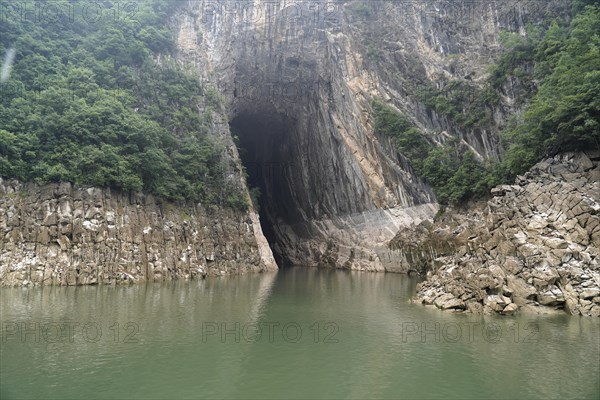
(535, 246)
(59, 234)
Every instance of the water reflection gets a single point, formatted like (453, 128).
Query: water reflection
(325, 334)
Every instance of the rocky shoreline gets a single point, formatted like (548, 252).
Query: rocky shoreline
(66, 235)
(534, 247)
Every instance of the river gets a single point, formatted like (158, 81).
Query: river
(300, 333)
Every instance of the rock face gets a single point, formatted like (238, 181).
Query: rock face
(299, 77)
(58, 234)
(535, 247)
(331, 192)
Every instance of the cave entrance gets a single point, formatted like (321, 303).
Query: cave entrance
(263, 140)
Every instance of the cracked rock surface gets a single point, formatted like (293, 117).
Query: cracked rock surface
(536, 246)
(58, 234)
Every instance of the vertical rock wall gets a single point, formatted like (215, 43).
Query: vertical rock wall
(58, 234)
(336, 192)
(299, 77)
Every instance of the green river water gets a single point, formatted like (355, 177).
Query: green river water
(298, 333)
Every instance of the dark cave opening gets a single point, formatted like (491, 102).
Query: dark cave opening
(263, 141)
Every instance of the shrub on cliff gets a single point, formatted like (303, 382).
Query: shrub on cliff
(87, 102)
(451, 169)
(564, 114)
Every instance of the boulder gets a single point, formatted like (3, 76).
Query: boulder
(590, 293)
(510, 309)
(520, 289)
(555, 243)
(551, 297)
(448, 301)
(495, 302)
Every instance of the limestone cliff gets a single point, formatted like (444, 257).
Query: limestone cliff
(299, 78)
(58, 234)
(332, 193)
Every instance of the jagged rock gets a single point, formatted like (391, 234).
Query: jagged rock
(551, 297)
(537, 223)
(589, 293)
(495, 302)
(544, 275)
(503, 190)
(510, 309)
(448, 301)
(529, 251)
(453, 304)
(475, 307)
(106, 246)
(555, 264)
(583, 162)
(512, 265)
(497, 272)
(555, 243)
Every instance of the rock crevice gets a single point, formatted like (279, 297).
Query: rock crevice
(536, 245)
(60, 234)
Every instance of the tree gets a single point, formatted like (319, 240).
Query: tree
(565, 113)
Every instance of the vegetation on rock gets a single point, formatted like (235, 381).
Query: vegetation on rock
(451, 169)
(562, 115)
(101, 102)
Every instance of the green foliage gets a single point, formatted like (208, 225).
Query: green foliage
(579, 5)
(466, 105)
(88, 103)
(214, 99)
(406, 137)
(515, 61)
(549, 48)
(237, 201)
(563, 115)
(452, 171)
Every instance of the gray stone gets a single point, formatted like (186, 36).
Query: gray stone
(583, 162)
(510, 309)
(551, 297)
(453, 304)
(555, 243)
(590, 293)
(106, 251)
